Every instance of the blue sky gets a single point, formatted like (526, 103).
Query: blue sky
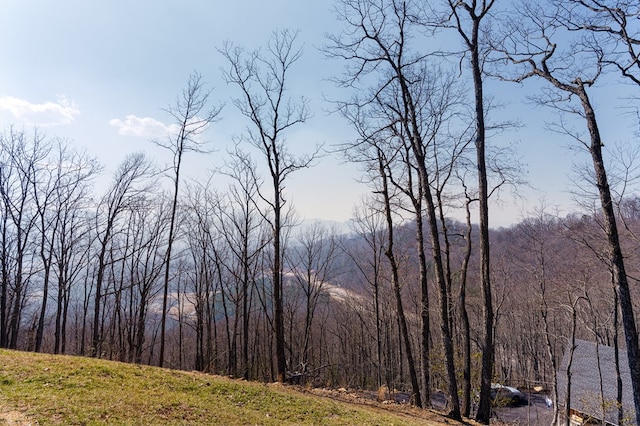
(98, 73)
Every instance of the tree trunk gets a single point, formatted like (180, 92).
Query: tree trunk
(281, 360)
(615, 249)
(484, 407)
(97, 338)
(404, 330)
(440, 274)
(425, 332)
(167, 270)
(464, 320)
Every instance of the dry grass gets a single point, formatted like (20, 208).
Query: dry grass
(52, 390)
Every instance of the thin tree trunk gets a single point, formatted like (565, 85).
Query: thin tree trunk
(616, 351)
(572, 348)
(167, 270)
(404, 329)
(464, 319)
(97, 338)
(281, 360)
(43, 307)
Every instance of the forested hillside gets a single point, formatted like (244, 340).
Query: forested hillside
(420, 294)
(341, 316)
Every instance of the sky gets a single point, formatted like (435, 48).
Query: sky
(99, 74)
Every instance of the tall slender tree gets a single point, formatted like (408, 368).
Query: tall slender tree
(262, 78)
(385, 192)
(192, 115)
(378, 42)
(468, 19)
(571, 69)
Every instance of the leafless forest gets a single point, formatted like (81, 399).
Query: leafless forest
(160, 270)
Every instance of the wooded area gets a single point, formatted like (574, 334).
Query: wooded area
(189, 275)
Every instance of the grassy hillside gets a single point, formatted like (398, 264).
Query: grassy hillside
(47, 390)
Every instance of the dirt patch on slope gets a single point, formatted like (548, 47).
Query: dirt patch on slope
(14, 418)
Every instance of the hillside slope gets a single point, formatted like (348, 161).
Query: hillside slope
(51, 389)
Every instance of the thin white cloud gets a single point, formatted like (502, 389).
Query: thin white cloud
(50, 113)
(146, 127)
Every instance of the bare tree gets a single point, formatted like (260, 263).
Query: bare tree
(240, 225)
(72, 248)
(377, 42)
(610, 26)
(311, 261)
(142, 267)
(201, 206)
(44, 189)
(386, 194)
(378, 151)
(468, 18)
(368, 225)
(462, 306)
(193, 115)
(535, 51)
(127, 187)
(63, 181)
(538, 234)
(262, 78)
(22, 157)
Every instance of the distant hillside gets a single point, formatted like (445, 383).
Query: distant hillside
(50, 389)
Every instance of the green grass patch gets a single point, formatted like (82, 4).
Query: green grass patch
(70, 390)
